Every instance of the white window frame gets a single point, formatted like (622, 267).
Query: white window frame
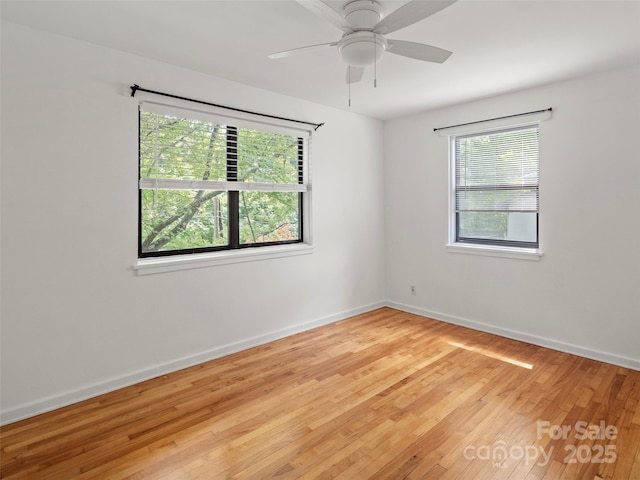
(480, 249)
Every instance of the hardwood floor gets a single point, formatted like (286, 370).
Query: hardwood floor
(385, 395)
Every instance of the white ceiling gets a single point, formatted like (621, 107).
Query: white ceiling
(498, 46)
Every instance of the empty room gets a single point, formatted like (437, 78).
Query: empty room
(299, 239)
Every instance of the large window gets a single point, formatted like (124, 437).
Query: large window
(209, 183)
(495, 188)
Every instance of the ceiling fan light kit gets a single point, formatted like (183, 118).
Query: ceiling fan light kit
(362, 48)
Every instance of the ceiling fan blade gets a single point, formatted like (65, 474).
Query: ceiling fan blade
(327, 13)
(409, 14)
(419, 51)
(354, 74)
(296, 51)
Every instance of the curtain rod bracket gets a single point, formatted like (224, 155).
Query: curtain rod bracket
(136, 87)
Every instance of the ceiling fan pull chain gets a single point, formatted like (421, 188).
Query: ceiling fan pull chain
(375, 62)
(349, 84)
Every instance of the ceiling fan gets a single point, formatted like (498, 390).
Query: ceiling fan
(364, 27)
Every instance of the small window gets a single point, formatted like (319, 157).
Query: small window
(495, 188)
(206, 184)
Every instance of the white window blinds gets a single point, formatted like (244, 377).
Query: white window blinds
(242, 155)
(496, 187)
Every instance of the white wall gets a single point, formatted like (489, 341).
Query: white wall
(583, 296)
(76, 320)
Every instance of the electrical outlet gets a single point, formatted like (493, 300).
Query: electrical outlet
(413, 289)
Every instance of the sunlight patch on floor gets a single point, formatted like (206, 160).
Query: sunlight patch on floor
(491, 354)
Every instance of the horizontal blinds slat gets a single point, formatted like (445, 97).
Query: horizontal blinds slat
(497, 200)
(174, 184)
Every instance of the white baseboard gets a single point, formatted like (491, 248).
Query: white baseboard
(86, 392)
(89, 391)
(551, 343)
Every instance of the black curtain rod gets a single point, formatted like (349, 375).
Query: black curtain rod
(497, 118)
(136, 88)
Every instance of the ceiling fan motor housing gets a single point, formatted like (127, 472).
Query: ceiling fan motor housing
(363, 14)
(362, 47)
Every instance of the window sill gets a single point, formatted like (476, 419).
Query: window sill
(150, 266)
(491, 251)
